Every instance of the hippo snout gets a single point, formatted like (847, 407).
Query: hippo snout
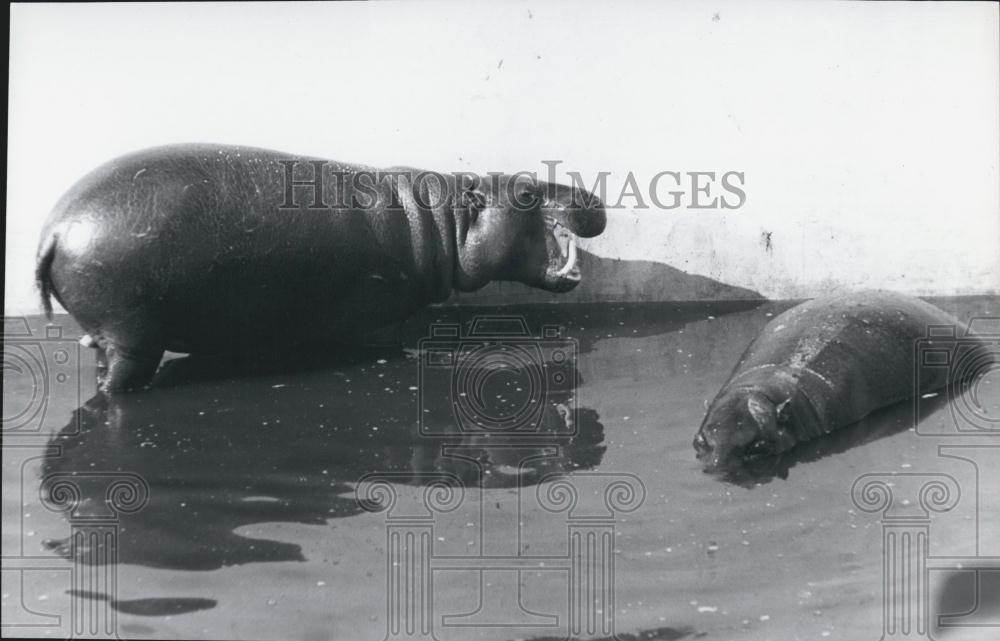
(578, 210)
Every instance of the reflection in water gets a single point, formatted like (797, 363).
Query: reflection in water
(226, 443)
(223, 443)
(655, 634)
(156, 607)
(218, 456)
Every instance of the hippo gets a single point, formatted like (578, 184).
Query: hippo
(816, 368)
(216, 249)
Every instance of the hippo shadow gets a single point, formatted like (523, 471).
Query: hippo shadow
(584, 324)
(184, 369)
(615, 279)
(580, 324)
(219, 456)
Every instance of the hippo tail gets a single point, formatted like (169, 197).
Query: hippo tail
(43, 277)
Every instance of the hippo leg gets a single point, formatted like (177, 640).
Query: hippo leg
(121, 369)
(102, 363)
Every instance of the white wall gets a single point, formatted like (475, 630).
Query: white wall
(868, 133)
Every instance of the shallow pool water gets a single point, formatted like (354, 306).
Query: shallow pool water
(489, 473)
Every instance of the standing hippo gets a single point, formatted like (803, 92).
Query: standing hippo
(818, 367)
(218, 249)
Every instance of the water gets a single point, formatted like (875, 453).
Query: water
(248, 525)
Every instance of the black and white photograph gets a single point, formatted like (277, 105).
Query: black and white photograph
(528, 320)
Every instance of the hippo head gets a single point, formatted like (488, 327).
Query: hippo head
(744, 431)
(512, 227)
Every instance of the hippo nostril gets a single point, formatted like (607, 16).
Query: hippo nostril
(701, 445)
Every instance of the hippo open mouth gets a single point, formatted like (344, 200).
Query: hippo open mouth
(563, 270)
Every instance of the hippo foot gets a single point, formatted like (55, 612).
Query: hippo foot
(120, 370)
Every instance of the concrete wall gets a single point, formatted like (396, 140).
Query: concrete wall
(867, 134)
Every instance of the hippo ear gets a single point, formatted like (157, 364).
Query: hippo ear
(761, 409)
(785, 411)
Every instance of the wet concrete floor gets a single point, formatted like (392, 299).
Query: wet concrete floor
(488, 473)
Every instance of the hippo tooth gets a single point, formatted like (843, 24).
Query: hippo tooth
(571, 261)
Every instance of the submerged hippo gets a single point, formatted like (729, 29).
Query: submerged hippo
(218, 249)
(818, 367)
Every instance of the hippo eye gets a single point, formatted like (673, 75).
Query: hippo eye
(758, 449)
(527, 199)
